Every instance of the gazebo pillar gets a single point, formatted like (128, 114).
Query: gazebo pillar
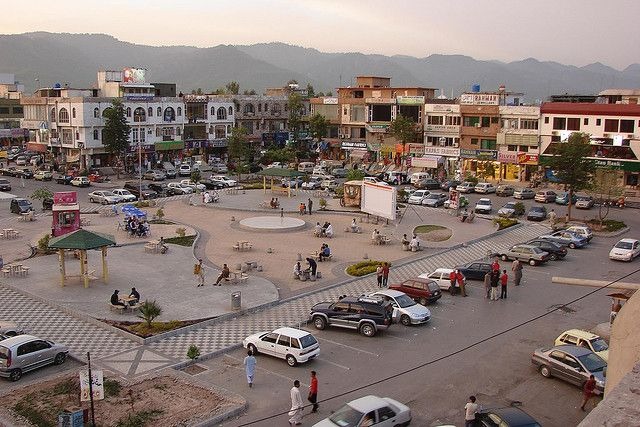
(264, 184)
(62, 266)
(83, 267)
(105, 271)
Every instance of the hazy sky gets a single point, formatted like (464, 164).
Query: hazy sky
(575, 32)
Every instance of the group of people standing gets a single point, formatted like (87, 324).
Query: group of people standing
(382, 275)
(495, 277)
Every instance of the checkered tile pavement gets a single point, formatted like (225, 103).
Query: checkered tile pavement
(231, 332)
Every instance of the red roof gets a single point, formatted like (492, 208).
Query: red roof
(590, 109)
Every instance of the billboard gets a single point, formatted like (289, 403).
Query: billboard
(379, 200)
(133, 75)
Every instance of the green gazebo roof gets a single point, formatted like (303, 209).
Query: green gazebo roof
(282, 172)
(82, 239)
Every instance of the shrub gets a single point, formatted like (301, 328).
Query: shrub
(160, 213)
(363, 268)
(355, 175)
(195, 176)
(111, 388)
(519, 209)
(149, 310)
(323, 203)
(194, 352)
(41, 194)
(339, 192)
(471, 178)
(505, 222)
(43, 243)
(181, 231)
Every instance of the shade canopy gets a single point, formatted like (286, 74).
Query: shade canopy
(281, 172)
(82, 239)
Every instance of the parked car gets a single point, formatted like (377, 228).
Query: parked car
(537, 213)
(19, 205)
(427, 183)
(125, 195)
(329, 184)
(625, 250)
(581, 230)
(532, 255)
(312, 184)
(448, 184)
(28, 174)
(43, 176)
(584, 202)
(161, 188)
(219, 168)
(24, 353)
(441, 277)
(293, 345)
(584, 339)
(169, 172)
(212, 185)
(506, 416)
(47, 204)
(556, 251)
(141, 191)
(369, 411)
(563, 198)
(508, 210)
(484, 188)
(195, 186)
(483, 206)
(10, 329)
(435, 199)
(505, 190)
(396, 177)
(80, 181)
(418, 176)
(405, 309)
(184, 169)
(546, 196)
(474, 270)
(228, 182)
(21, 161)
(5, 185)
(373, 180)
(570, 363)
(154, 175)
(423, 291)
(276, 165)
(179, 188)
(566, 238)
(366, 315)
(524, 193)
(104, 197)
(62, 178)
(418, 197)
(466, 187)
(339, 172)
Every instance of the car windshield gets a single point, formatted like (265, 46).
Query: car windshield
(24, 202)
(433, 286)
(404, 301)
(433, 196)
(108, 193)
(346, 417)
(484, 202)
(593, 362)
(584, 198)
(599, 344)
(510, 205)
(537, 209)
(624, 245)
(307, 341)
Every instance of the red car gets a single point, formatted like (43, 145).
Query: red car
(423, 291)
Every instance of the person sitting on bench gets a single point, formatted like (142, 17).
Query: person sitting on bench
(325, 252)
(318, 231)
(329, 230)
(354, 226)
(223, 275)
(115, 299)
(134, 294)
(297, 270)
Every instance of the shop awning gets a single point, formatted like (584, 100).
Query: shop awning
(38, 148)
(426, 161)
(169, 145)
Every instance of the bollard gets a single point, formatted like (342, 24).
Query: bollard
(236, 300)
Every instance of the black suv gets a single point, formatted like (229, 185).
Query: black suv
(365, 314)
(134, 188)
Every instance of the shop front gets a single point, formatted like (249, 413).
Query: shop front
(628, 169)
(330, 149)
(357, 152)
(451, 158)
(168, 151)
(528, 165)
(481, 163)
(140, 155)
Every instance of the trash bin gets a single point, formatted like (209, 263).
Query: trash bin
(236, 300)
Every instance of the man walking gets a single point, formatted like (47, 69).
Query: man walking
(504, 279)
(461, 282)
(313, 391)
(310, 205)
(296, 404)
(385, 274)
(516, 267)
(588, 391)
(487, 284)
(495, 278)
(198, 271)
(250, 367)
(470, 410)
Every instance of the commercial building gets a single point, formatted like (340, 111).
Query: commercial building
(11, 112)
(441, 137)
(327, 106)
(518, 142)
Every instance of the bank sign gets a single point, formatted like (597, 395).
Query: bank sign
(626, 166)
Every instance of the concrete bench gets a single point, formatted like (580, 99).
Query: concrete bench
(119, 308)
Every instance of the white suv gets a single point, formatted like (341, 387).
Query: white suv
(293, 345)
(184, 170)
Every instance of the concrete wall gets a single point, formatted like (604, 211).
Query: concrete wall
(624, 342)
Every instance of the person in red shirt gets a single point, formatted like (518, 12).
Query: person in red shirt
(313, 391)
(385, 274)
(495, 265)
(504, 279)
(461, 279)
(588, 391)
(452, 278)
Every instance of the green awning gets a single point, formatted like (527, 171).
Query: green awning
(169, 145)
(282, 172)
(82, 239)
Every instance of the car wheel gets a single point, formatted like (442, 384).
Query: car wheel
(368, 330)
(422, 301)
(545, 371)
(533, 262)
(504, 257)
(572, 245)
(104, 202)
(60, 358)
(405, 320)
(319, 322)
(553, 257)
(15, 375)
(253, 349)
(291, 361)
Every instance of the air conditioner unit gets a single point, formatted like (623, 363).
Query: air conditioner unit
(477, 125)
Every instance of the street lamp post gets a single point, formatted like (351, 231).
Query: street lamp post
(139, 161)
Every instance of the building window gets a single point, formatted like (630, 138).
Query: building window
(598, 122)
(222, 113)
(139, 115)
(4, 110)
(573, 123)
(626, 126)
(585, 121)
(142, 134)
(210, 129)
(128, 111)
(159, 111)
(610, 125)
(470, 120)
(213, 111)
(555, 138)
(179, 112)
(266, 107)
(546, 120)
(17, 110)
(73, 113)
(474, 141)
(52, 116)
(63, 115)
(178, 131)
(512, 148)
(95, 134)
(530, 124)
(158, 132)
(453, 120)
(96, 112)
(276, 108)
(134, 135)
(228, 129)
(259, 107)
(248, 109)
(435, 120)
(230, 111)
(488, 144)
(150, 111)
(495, 120)
(559, 123)
(169, 114)
(486, 122)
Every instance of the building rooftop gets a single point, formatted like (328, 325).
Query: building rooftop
(589, 108)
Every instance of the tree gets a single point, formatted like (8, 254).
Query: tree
(149, 310)
(116, 131)
(310, 91)
(292, 82)
(318, 125)
(294, 104)
(606, 188)
(404, 130)
(355, 175)
(239, 147)
(571, 165)
(249, 92)
(232, 88)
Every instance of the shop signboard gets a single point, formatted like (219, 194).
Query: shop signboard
(529, 159)
(442, 151)
(352, 145)
(430, 162)
(416, 149)
(377, 128)
(468, 154)
(97, 385)
(624, 165)
(330, 101)
(487, 155)
(510, 157)
(479, 99)
(410, 100)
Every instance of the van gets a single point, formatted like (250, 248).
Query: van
(395, 177)
(417, 176)
(306, 167)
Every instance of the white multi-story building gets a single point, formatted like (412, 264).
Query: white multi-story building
(442, 134)
(518, 141)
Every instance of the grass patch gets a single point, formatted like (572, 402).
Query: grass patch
(428, 228)
(505, 222)
(156, 327)
(608, 225)
(161, 221)
(254, 185)
(182, 241)
(364, 268)
(25, 409)
(139, 419)
(111, 388)
(65, 387)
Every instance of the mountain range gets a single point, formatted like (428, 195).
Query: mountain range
(75, 58)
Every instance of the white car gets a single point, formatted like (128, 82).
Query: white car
(483, 206)
(582, 230)
(418, 197)
(43, 176)
(321, 176)
(104, 197)
(440, 276)
(125, 195)
(485, 188)
(373, 180)
(293, 345)
(508, 210)
(80, 181)
(189, 183)
(312, 184)
(228, 182)
(329, 184)
(184, 170)
(10, 329)
(369, 411)
(405, 309)
(179, 188)
(276, 165)
(625, 250)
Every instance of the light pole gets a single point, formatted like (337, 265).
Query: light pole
(139, 160)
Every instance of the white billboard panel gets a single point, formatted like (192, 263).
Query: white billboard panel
(379, 200)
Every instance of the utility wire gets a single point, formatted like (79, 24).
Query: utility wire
(455, 352)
